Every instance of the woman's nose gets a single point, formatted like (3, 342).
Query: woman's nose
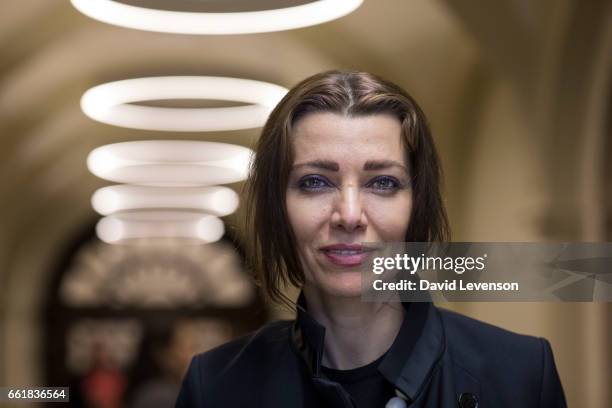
(348, 209)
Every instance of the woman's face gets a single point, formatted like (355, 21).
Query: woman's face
(349, 184)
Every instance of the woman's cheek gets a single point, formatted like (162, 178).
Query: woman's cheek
(307, 213)
(390, 218)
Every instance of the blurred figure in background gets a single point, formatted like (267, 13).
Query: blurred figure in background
(165, 354)
(104, 385)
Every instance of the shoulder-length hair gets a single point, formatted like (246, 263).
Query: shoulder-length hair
(270, 241)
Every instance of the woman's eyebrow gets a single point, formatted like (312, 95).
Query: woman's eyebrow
(321, 164)
(383, 164)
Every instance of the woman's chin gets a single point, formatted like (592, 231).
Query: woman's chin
(344, 284)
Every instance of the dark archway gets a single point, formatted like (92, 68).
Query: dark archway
(133, 323)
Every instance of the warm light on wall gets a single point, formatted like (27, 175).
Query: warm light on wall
(171, 162)
(112, 103)
(125, 226)
(181, 22)
(215, 200)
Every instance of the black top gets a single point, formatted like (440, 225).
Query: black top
(370, 385)
(366, 385)
(310, 335)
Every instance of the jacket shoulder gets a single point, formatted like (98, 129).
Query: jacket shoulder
(481, 337)
(480, 346)
(258, 344)
(216, 372)
(503, 360)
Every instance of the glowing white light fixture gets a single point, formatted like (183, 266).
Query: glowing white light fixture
(123, 227)
(171, 162)
(181, 22)
(216, 200)
(112, 103)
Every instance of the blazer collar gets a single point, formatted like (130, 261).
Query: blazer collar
(410, 359)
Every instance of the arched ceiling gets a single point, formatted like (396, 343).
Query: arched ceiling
(52, 54)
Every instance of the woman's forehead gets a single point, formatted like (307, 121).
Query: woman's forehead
(347, 138)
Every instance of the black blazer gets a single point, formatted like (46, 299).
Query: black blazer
(439, 359)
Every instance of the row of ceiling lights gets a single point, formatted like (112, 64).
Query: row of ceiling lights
(170, 187)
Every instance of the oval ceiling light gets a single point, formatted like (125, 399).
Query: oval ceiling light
(171, 162)
(217, 200)
(112, 103)
(181, 22)
(148, 225)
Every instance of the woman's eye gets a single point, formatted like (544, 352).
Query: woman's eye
(385, 183)
(313, 183)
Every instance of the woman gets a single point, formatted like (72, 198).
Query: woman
(347, 158)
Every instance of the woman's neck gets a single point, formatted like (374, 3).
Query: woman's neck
(356, 332)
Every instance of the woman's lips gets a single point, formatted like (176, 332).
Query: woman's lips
(345, 257)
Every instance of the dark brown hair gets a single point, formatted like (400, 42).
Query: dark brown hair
(270, 242)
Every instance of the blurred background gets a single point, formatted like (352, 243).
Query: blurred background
(518, 96)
